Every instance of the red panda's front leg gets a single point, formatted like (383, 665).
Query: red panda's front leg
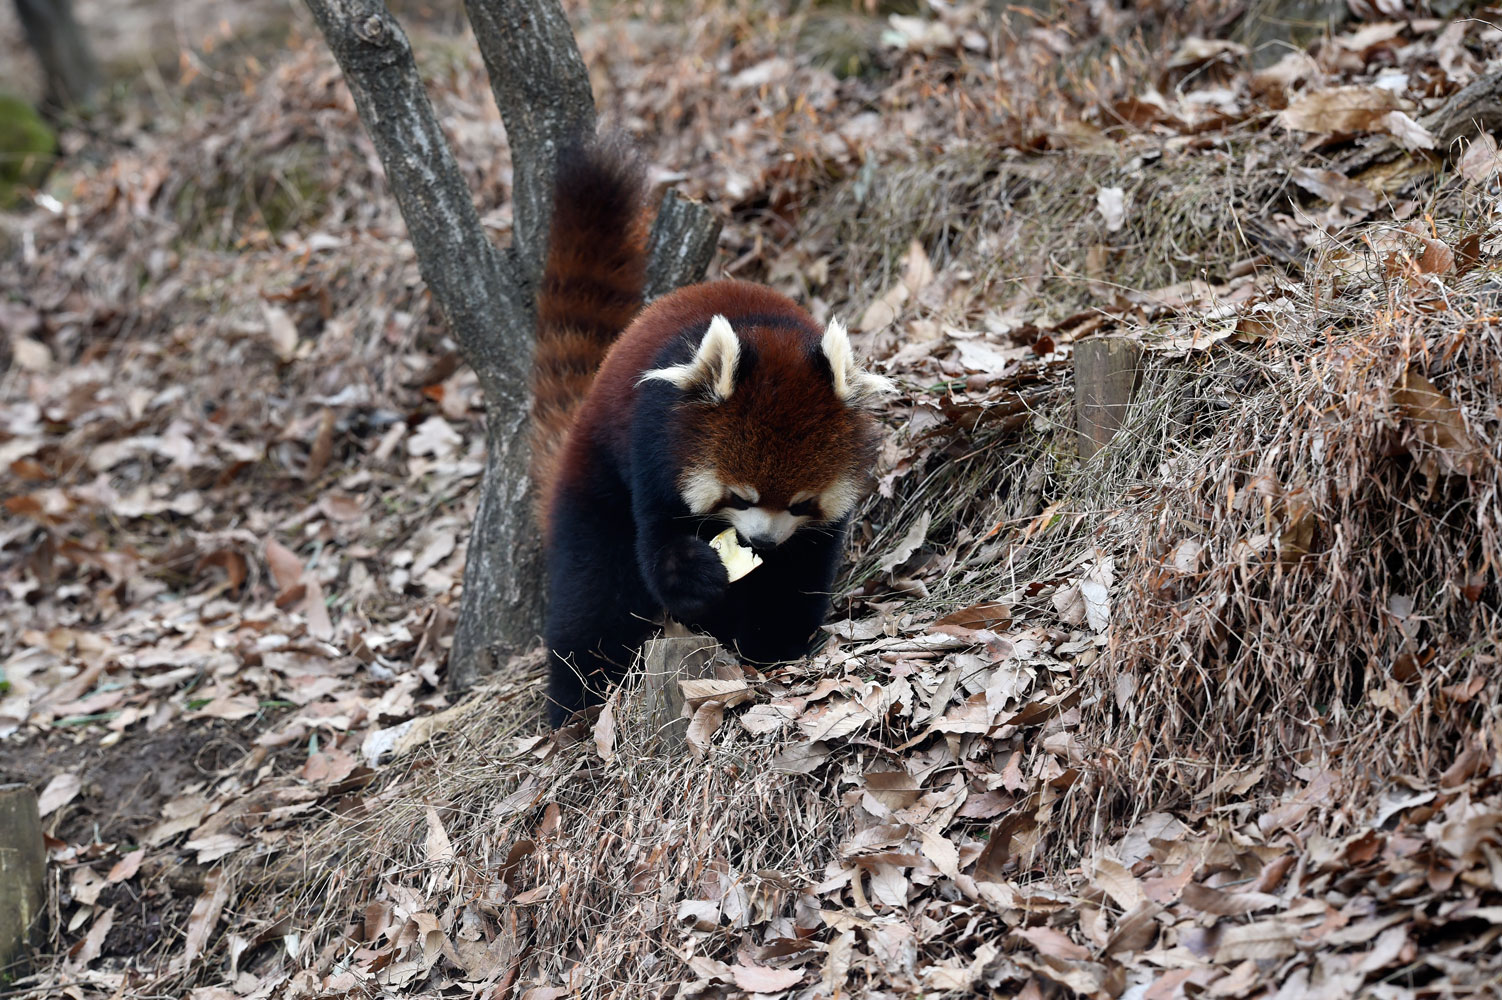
(683, 573)
(599, 612)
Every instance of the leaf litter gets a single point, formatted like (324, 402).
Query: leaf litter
(1212, 713)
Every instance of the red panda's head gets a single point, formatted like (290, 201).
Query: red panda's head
(775, 427)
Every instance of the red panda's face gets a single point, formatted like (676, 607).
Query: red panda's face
(777, 434)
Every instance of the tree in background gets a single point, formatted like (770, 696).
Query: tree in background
(72, 75)
(486, 293)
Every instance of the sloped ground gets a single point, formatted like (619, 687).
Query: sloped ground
(1212, 713)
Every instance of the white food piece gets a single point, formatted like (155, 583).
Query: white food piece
(738, 559)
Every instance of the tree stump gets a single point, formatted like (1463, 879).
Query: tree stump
(1105, 376)
(666, 661)
(23, 864)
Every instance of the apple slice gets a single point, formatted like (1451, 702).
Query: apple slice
(738, 559)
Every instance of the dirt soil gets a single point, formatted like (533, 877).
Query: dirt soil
(124, 784)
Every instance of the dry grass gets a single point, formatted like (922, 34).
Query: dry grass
(1320, 622)
(1303, 544)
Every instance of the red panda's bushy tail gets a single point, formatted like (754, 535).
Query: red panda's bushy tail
(591, 288)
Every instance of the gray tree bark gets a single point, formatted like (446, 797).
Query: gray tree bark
(72, 75)
(542, 89)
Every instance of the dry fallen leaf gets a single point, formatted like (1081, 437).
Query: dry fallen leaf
(942, 852)
(281, 332)
(61, 790)
(604, 730)
(286, 568)
(1111, 202)
(1053, 943)
(206, 911)
(440, 851)
(917, 274)
(704, 724)
(435, 437)
(125, 869)
(1480, 162)
(1340, 109)
(764, 979)
(92, 945)
(1351, 199)
(1438, 424)
(1409, 133)
(1261, 941)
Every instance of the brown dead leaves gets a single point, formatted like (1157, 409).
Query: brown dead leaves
(1354, 109)
(1438, 436)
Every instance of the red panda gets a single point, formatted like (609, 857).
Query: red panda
(653, 429)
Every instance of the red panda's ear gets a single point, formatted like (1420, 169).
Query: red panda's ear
(852, 384)
(712, 367)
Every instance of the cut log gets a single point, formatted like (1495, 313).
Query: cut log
(1106, 371)
(667, 661)
(23, 865)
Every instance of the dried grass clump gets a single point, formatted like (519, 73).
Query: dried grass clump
(1029, 229)
(1313, 523)
(584, 858)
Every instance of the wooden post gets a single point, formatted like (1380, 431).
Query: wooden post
(23, 864)
(1105, 376)
(666, 662)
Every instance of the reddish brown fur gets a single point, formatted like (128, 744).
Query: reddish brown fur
(591, 288)
(782, 429)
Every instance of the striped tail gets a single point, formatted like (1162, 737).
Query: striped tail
(591, 289)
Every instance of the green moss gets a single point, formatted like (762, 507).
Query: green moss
(842, 41)
(283, 191)
(27, 149)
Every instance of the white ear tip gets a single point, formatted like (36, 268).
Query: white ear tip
(836, 342)
(721, 350)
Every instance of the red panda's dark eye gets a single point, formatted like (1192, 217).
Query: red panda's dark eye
(738, 503)
(804, 508)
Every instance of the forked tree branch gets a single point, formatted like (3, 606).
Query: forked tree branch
(542, 89)
(680, 246)
(469, 278)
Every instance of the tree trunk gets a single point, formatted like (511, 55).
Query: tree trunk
(72, 75)
(501, 612)
(542, 89)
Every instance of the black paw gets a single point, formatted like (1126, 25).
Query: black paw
(691, 580)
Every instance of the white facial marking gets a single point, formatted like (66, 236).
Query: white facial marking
(750, 493)
(702, 490)
(712, 366)
(756, 523)
(839, 499)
